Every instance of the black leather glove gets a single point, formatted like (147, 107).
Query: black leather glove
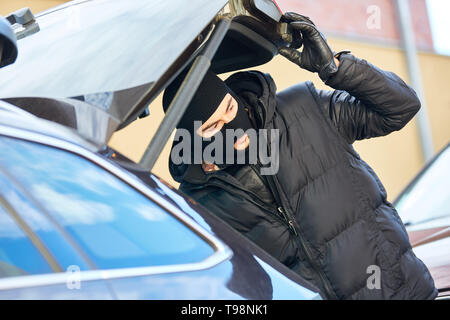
(317, 55)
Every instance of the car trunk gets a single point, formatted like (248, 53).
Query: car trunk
(96, 65)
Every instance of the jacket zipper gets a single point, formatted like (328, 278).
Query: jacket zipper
(274, 186)
(281, 210)
(290, 222)
(306, 249)
(287, 219)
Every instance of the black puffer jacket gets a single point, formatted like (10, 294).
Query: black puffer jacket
(325, 213)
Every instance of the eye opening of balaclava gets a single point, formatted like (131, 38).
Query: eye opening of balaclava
(205, 102)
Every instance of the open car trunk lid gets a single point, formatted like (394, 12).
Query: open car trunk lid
(96, 64)
(104, 46)
(104, 53)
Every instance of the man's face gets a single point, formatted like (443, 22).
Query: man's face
(225, 113)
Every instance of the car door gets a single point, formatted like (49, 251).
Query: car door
(87, 220)
(106, 235)
(424, 207)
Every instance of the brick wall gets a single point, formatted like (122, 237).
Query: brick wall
(349, 18)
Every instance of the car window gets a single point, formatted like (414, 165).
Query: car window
(64, 253)
(427, 199)
(116, 225)
(18, 255)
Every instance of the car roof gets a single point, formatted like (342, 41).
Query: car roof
(14, 119)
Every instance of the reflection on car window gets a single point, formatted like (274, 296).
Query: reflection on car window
(64, 253)
(18, 256)
(117, 226)
(428, 199)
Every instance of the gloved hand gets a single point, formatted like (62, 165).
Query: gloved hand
(317, 55)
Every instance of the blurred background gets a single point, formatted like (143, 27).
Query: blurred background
(372, 30)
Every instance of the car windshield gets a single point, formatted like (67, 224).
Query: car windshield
(427, 199)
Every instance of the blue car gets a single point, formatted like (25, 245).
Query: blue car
(77, 219)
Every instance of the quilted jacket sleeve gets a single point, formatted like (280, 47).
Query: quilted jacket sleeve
(368, 102)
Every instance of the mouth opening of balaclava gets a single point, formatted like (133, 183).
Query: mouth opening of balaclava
(205, 102)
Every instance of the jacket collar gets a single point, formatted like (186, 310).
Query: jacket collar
(258, 90)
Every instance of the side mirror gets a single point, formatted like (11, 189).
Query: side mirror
(8, 43)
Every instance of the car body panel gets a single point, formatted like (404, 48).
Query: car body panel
(436, 256)
(425, 201)
(226, 281)
(221, 282)
(424, 206)
(92, 290)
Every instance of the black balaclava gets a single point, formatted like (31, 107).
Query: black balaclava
(205, 102)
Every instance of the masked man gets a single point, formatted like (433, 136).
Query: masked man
(321, 211)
